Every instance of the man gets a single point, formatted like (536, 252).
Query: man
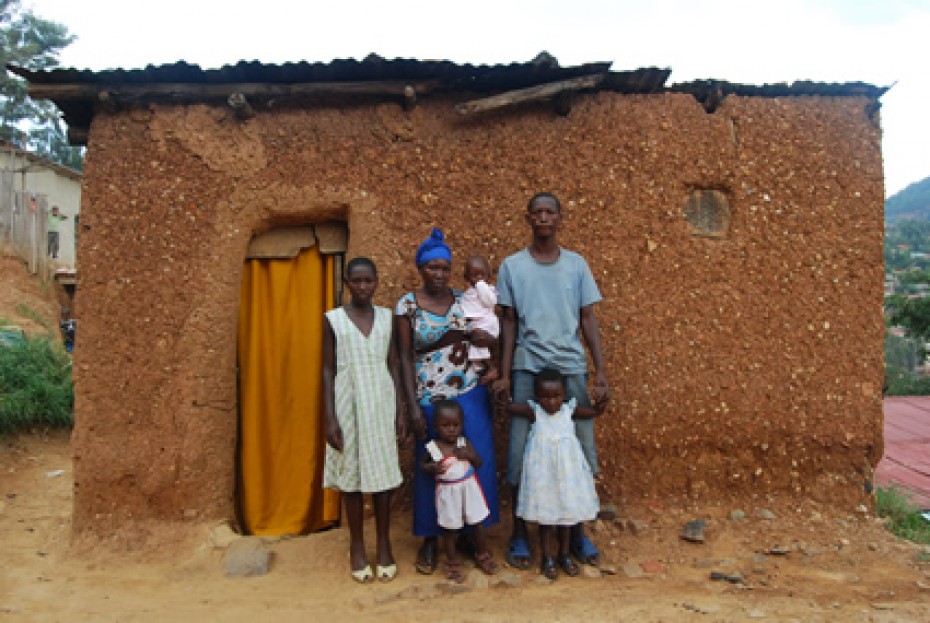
(547, 293)
(54, 223)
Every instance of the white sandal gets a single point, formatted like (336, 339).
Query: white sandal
(386, 573)
(363, 576)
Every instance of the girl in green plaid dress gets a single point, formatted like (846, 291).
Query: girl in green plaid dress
(362, 419)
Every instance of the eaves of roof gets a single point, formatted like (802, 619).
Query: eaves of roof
(68, 172)
(182, 82)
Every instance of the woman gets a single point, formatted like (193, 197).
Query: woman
(433, 338)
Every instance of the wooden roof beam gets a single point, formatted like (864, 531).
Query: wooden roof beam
(531, 94)
(193, 91)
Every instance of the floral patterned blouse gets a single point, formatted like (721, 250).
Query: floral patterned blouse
(443, 369)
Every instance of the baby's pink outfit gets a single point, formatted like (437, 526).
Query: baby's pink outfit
(478, 306)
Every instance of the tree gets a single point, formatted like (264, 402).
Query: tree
(33, 43)
(914, 233)
(913, 314)
(903, 353)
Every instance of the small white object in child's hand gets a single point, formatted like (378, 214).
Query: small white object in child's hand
(460, 442)
(434, 452)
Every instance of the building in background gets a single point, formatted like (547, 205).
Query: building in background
(30, 186)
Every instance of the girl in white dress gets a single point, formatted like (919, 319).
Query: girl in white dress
(557, 485)
(460, 499)
(363, 422)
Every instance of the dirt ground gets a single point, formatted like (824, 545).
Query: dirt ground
(806, 564)
(24, 301)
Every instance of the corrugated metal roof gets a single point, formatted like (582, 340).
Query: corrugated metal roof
(802, 87)
(41, 160)
(453, 77)
(442, 76)
(447, 76)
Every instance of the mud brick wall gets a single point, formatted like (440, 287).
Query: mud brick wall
(745, 359)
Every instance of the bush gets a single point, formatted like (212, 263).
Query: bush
(903, 352)
(35, 386)
(904, 519)
(899, 382)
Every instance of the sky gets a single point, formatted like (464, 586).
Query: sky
(881, 42)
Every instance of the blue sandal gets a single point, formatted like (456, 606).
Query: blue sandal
(518, 554)
(583, 549)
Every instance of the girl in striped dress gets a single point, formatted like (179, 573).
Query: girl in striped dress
(362, 419)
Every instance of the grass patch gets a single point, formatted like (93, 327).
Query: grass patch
(904, 519)
(35, 386)
(27, 312)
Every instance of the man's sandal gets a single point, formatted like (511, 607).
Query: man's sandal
(548, 568)
(518, 554)
(454, 571)
(568, 565)
(583, 549)
(486, 563)
(426, 558)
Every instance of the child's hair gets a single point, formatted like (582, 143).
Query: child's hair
(550, 196)
(549, 375)
(471, 259)
(357, 262)
(447, 405)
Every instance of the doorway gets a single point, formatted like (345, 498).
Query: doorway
(290, 279)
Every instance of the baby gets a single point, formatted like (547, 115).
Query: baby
(478, 303)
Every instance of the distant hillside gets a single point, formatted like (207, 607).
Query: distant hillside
(911, 203)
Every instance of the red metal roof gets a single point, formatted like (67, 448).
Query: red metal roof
(906, 463)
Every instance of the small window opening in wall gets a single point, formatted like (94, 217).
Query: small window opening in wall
(708, 213)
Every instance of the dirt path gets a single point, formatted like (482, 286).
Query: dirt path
(836, 568)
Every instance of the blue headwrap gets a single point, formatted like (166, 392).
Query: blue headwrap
(433, 248)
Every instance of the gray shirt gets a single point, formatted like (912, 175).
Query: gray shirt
(547, 301)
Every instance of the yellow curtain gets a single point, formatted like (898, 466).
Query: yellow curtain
(281, 449)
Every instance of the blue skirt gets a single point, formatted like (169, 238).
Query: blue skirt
(479, 430)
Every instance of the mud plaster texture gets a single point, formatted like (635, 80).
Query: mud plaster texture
(743, 365)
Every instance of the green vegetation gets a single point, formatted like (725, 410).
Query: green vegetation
(904, 519)
(904, 354)
(912, 314)
(900, 382)
(904, 238)
(35, 386)
(913, 202)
